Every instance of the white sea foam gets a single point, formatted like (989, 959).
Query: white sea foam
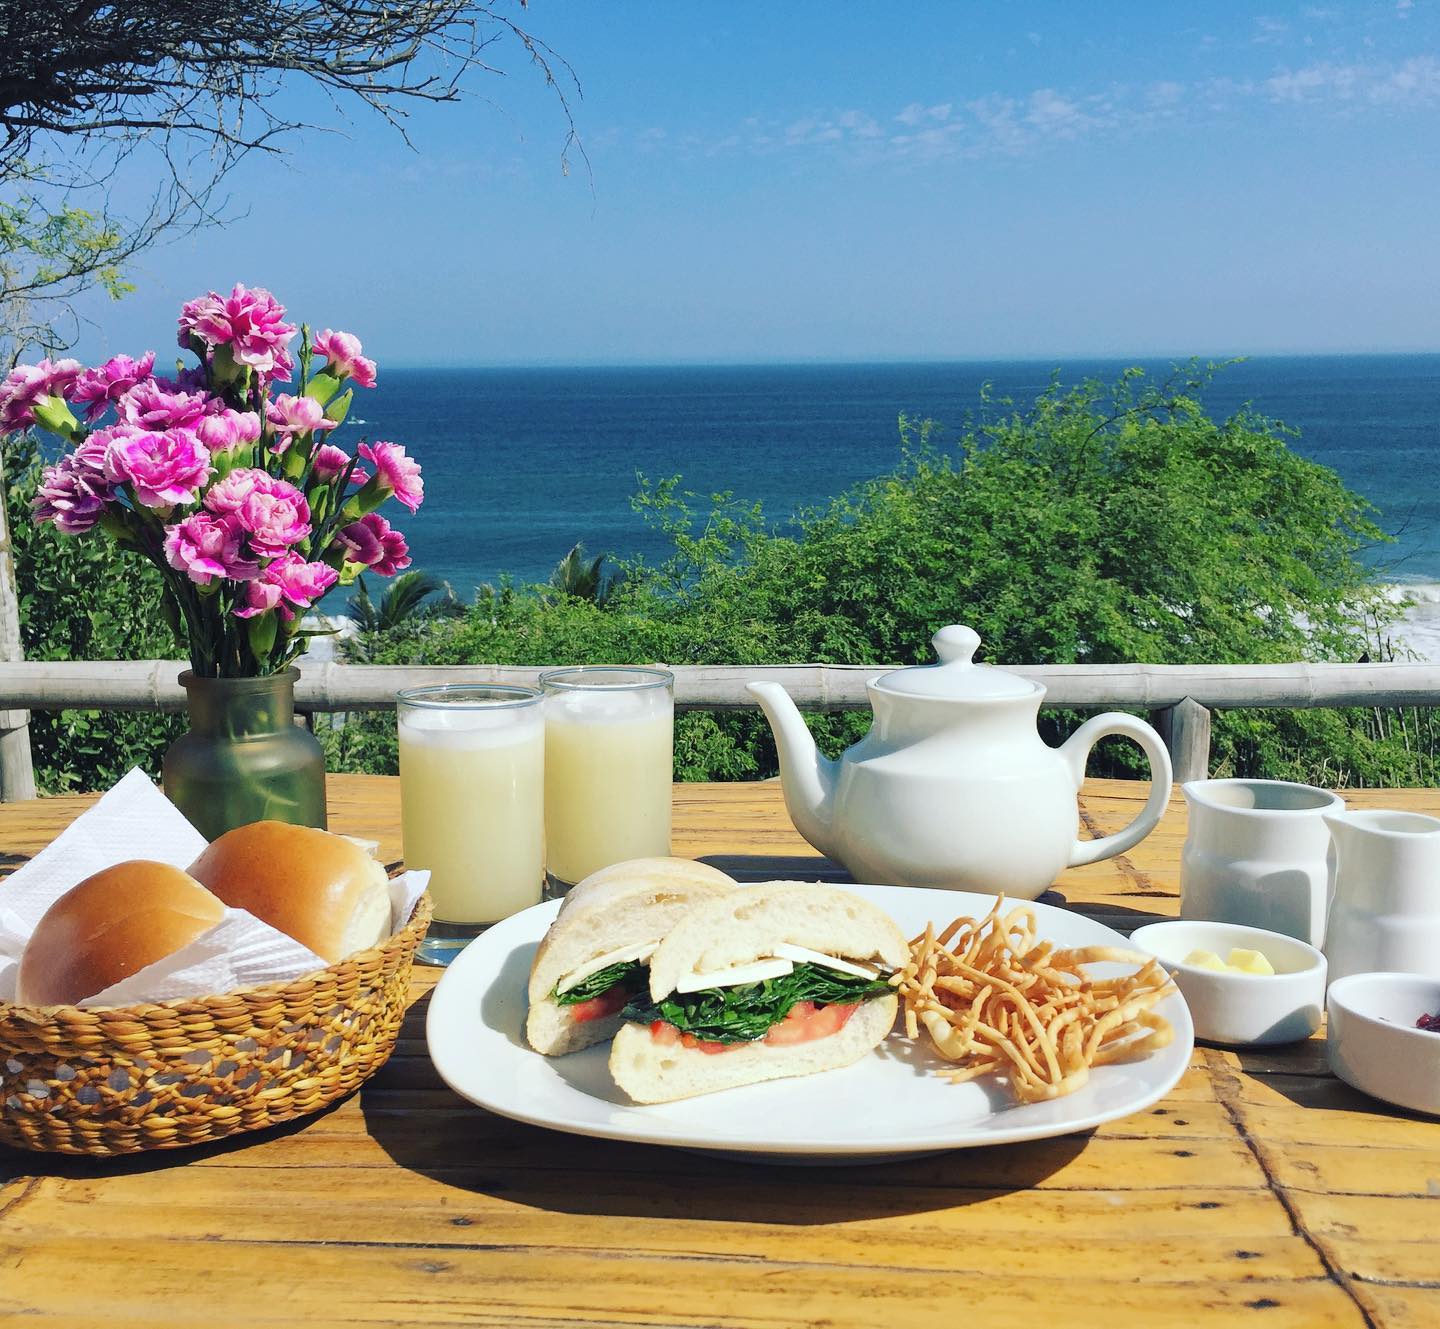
(1419, 627)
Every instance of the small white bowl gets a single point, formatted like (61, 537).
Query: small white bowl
(1241, 1009)
(1372, 1041)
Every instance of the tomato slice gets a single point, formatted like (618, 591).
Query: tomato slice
(707, 1047)
(807, 1022)
(597, 1008)
(667, 1035)
(804, 1024)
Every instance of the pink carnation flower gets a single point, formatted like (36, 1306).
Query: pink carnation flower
(27, 385)
(284, 582)
(155, 404)
(251, 322)
(260, 598)
(396, 472)
(330, 461)
(342, 350)
(204, 547)
(289, 415)
(89, 457)
(229, 494)
(228, 430)
(275, 519)
(162, 467)
(111, 381)
(373, 543)
(71, 495)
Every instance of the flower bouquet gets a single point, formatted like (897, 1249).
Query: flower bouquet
(234, 490)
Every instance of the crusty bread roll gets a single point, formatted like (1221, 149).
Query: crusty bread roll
(654, 1072)
(319, 888)
(743, 927)
(110, 926)
(627, 904)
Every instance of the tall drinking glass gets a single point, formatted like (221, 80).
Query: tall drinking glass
(609, 762)
(472, 790)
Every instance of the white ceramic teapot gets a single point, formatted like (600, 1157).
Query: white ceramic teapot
(953, 785)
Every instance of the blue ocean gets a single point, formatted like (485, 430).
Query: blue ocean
(522, 463)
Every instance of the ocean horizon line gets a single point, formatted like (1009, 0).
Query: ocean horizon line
(820, 362)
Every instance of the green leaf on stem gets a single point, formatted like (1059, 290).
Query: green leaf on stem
(340, 407)
(322, 387)
(261, 631)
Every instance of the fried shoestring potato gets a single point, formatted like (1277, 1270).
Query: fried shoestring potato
(995, 999)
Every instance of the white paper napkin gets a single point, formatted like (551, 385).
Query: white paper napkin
(135, 820)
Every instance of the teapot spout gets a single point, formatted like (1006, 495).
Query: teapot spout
(806, 775)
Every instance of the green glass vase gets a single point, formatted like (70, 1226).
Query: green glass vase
(245, 759)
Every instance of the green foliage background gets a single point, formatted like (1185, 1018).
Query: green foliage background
(1103, 523)
(81, 599)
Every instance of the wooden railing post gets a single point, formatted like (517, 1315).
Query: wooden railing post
(17, 771)
(1185, 728)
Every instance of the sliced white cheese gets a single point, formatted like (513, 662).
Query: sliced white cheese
(641, 952)
(740, 973)
(804, 955)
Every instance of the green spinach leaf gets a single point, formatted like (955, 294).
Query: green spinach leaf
(747, 1012)
(633, 973)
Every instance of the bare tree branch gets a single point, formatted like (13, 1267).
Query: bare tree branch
(84, 84)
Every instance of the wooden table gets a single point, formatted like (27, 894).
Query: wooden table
(1260, 1185)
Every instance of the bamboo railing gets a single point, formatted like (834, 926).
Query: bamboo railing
(1179, 698)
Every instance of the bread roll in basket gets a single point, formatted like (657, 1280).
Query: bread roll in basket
(120, 1079)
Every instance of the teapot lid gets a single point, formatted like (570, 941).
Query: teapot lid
(957, 677)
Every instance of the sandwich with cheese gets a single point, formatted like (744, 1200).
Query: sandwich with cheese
(594, 957)
(759, 984)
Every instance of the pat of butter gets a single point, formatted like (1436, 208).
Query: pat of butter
(625, 953)
(1241, 961)
(1250, 962)
(804, 955)
(1205, 960)
(740, 973)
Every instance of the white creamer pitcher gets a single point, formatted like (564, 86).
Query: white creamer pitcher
(1386, 912)
(1258, 854)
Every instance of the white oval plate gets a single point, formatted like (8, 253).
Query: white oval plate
(892, 1104)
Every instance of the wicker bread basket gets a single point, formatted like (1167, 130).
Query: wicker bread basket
(119, 1079)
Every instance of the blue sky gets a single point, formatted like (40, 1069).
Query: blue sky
(832, 181)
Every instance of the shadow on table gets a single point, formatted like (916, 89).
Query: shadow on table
(1118, 916)
(777, 867)
(524, 1165)
(76, 1167)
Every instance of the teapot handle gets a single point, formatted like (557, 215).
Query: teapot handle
(1076, 751)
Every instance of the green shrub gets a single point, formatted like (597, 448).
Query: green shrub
(81, 599)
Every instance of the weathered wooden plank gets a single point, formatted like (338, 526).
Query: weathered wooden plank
(1376, 1238)
(872, 1226)
(1400, 1307)
(502, 1285)
(419, 1206)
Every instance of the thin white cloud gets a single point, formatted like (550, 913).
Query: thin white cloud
(1413, 82)
(1012, 124)
(1269, 31)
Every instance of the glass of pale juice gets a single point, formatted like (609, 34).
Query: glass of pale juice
(609, 763)
(472, 804)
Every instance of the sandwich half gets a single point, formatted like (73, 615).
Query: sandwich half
(594, 957)
(763, 983)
